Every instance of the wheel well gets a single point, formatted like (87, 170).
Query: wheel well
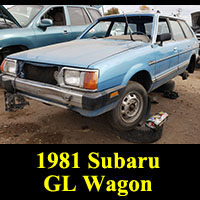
(15, 48)
(192, 64)
(144, 78)
(5, 51)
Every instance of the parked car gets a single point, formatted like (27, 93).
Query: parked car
(196, 25)
(100, 73)
(24, 27)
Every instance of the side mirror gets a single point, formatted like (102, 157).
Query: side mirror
(45, 23)
(164, 37)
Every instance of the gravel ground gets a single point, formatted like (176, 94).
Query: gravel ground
(41, 124)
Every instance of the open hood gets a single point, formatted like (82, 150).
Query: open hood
(196, 21)
(4, 13)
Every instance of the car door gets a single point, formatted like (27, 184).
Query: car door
(79, 20)
(57, 33)
(166, 55)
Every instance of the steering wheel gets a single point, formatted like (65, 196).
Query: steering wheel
(141, 33)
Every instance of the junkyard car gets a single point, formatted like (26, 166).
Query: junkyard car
(25, 27)
(100, 72)
(196, 25)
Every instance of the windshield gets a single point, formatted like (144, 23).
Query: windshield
(116, 28)
(24, 14)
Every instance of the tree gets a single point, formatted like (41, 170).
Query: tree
(112, 11)
(144, 7)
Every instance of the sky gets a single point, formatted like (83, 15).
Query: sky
(164, 9)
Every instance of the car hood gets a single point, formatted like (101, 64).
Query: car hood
(196, 21)
(5, 13)
(78, 53)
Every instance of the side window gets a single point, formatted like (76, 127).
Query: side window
(118, 29)
(176, 30)
(57, 15)
(163, 27)
(94, 14)
(148, 28)
(78, 16)
(186, 30)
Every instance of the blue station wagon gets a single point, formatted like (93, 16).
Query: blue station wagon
(110, 68)
(24, 27)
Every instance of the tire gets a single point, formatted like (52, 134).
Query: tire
(170, 86)
(131, 108)
(141, 135)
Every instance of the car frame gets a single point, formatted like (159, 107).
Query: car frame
(106, 75)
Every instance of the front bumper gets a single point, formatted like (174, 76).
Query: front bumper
(58, 96)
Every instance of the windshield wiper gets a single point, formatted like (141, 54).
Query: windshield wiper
(129, 28)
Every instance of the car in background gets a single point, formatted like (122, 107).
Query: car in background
(24, 27)
(110, 68)
(196, 25)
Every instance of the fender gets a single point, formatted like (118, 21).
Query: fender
(135, 69)
(17, 41)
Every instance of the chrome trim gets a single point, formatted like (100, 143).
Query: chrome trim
(16, 65)
(177, 54)
(158, 78)
(45, 92)
(44, 101)
(61, 81)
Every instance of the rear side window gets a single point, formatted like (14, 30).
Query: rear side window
(176, 30)
(186, 29)
(78, 16)
(94, 14)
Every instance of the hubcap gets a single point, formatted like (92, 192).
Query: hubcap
(131, 107)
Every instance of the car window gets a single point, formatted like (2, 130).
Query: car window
(176, 30)
(57, 15)
(78, 16)
(186, 29)
(118, 28)
(94, 14)
(99, 30)
(163, 27)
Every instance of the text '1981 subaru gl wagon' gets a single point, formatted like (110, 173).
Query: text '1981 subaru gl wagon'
(110, 68)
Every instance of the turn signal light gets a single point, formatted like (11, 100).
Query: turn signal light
(2, 65)
(90, 81)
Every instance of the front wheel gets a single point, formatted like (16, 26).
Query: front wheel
(131, 109)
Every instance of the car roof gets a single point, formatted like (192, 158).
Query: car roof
(85, 6)
(139, 14)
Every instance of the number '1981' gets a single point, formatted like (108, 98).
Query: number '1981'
(61, 159)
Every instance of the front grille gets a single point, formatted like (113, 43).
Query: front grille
(40, 74)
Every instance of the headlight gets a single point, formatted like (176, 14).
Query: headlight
(9, 66)
(82, 79)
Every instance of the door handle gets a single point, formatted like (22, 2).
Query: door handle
(175, 49)
(65, 32)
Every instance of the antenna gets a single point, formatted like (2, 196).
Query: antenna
(126, 18)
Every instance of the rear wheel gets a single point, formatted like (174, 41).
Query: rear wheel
(131, 109)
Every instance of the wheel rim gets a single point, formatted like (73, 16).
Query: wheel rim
(131, 107)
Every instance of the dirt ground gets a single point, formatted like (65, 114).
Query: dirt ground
(41, 124)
